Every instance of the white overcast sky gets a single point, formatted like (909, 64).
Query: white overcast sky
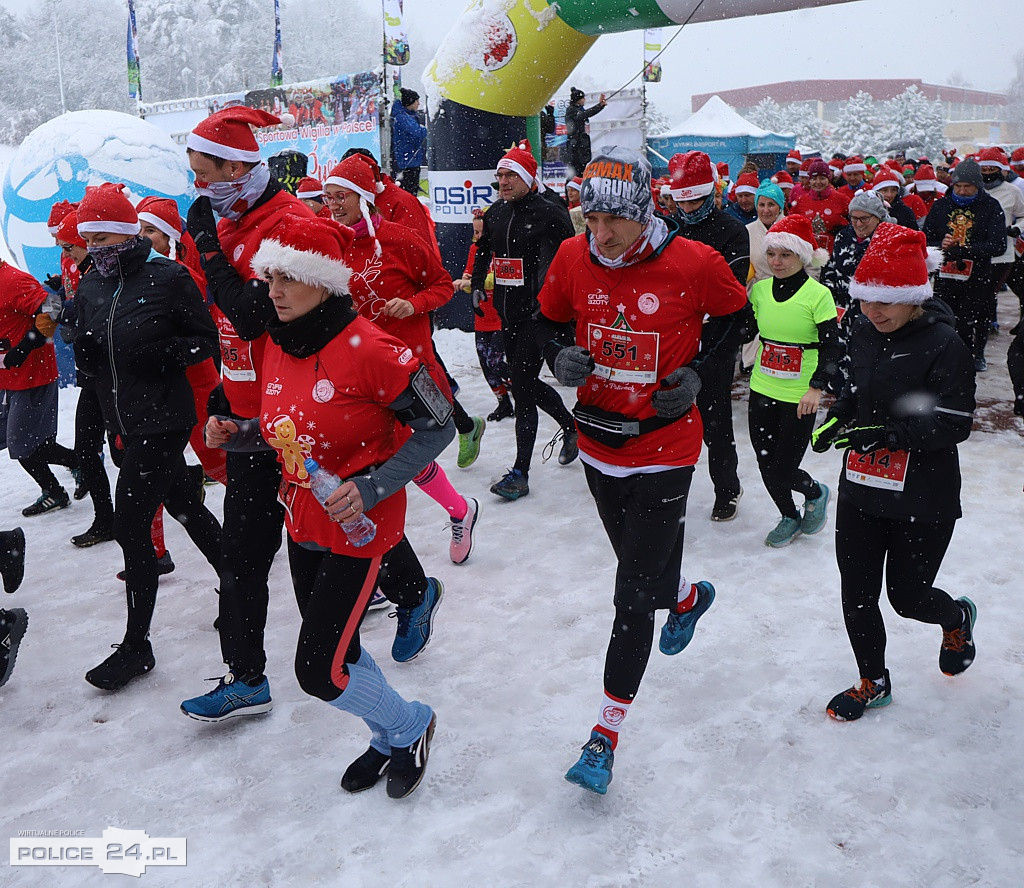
(975, 40)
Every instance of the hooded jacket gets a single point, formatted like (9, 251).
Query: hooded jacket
(136, 334)
(917, 382)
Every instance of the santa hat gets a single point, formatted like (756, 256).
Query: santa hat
(520, 160)
(993, 157)
(886, 178)
(105, 208)
(57, 212)
(1017, 158)
(67, 231)
(835, 167)
(575, 182)
(162, 213)
(895, 267)
(854, 164)
(748, 183)
(805, 167)
(309, 250)
(794, 156)
(309, 188)
(228, 134)
(693, 175)
(924, 178)
(355, 174)
(784, 180)
(723, 169)
(794, 233)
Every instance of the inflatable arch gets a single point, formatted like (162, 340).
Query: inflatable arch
(500, 65)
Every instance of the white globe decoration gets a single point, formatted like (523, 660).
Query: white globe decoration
(60, 158)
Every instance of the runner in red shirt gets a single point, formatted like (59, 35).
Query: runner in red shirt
(638, 295)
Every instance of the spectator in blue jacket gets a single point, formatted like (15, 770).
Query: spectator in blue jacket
(408, 138)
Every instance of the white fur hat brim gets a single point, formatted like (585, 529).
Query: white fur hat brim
(915, 295)
(815, 257)
(310, 268)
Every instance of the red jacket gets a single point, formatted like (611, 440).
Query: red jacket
(241, 361)
(405, 269)
(333, 407)
(640, 323)
(398, 205)
(21, 295)
(826, 209)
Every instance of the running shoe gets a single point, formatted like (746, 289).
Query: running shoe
(416, 623)
(469, 443)
(127, 662)
(787, 530)
(408, 764)
(677, 632)
(594, 769)
(81, 489)
(12, 558)
(512, 486)
(164, 566)
(365, 772)
(378, 601)
(462, 533)
(13, 624)
(49, 501)
(957, 651)
(815, 512)
(231, 698)
(852, 703)
(93, 536)
(570, 446)
(726, 506)
(504, 410)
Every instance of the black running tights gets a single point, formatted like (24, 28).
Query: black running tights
(780, 439)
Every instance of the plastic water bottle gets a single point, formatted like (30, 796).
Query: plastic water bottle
(360, 531)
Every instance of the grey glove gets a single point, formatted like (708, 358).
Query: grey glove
(677, 394)
(573, 365)
(479, 298)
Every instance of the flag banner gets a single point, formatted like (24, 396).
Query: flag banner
(277, 65)
(652, 46)
(134, 71)
(396, 43)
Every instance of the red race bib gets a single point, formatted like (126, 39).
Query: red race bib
(954, 272)
(623, 355)
(781, 361)
(886, 469)
(236, 358)
(508, 272)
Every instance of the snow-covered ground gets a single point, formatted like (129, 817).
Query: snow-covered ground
(728, 772)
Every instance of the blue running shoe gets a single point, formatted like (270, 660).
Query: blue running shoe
(415, 624)
(232, 697)
(787, 530)
(512, 486)
(814, 512)
(594, 769)
(678, 629)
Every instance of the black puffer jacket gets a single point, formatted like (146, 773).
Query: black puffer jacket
(918, 383)
(530, 229)
(136, 333)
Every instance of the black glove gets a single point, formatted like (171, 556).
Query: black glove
(573, 365)
(824, 436)
(677, 394)
(956, 253)
(1013, 231)
(202, 225)
(16, 356)
(479, 298)
(863, 439)
(166, 356)
(55, 282)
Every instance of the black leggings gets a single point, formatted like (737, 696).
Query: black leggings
(332, 592)
(524, 363)
(47, 454)
(911, 552)
(88, 449)
(714, 400)
(644, 517)
(153, 472)
(780, 439)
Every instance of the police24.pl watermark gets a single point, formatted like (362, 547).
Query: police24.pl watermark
(124, 851)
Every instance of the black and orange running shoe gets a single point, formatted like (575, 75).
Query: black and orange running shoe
(853, 702)
(957, 651)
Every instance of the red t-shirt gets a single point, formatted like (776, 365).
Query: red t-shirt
(826, 209)
(241, 361)
(405, 269)
(640, 323)
(21, 295)
(333, 407)
(491, 320)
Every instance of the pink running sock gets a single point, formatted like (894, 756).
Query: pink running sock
(435, 484)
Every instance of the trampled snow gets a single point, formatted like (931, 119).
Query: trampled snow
(728, 772)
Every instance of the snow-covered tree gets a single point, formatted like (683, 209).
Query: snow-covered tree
(768, 115)
(1015, 107)
(859, 127)
(913, 121)
(802, 120)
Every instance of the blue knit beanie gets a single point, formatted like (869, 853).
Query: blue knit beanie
(772, 191)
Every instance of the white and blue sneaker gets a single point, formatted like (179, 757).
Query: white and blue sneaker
(415, 624)
(378, 601)
(677, 632)
(232, 697)
(594, 769)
